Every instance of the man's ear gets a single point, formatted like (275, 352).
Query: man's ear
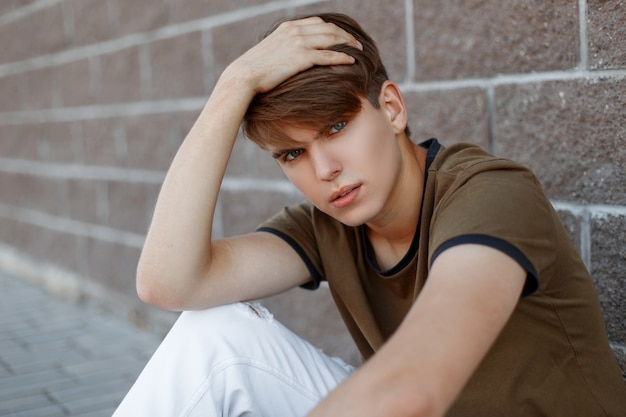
(392, 103)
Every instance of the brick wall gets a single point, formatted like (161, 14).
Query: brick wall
(96, 95)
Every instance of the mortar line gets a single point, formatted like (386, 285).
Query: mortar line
(410, 40)
(24, 11)
(137, 39)
(70, 226)
(595, 210)
(69, 23)
(491, 114)
(64, 171)
(69, 114)
(145, 72)
(585, 239)
(511, 79)
(106, 111)
(582, 22)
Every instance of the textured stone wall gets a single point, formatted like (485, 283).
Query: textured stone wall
(96, 96)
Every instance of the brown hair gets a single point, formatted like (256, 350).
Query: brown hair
(321, 95)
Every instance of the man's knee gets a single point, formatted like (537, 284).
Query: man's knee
(227, 325)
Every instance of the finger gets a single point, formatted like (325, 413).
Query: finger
(329, 33)
(328, 57)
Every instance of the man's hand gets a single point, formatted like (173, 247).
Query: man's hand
(293, 47)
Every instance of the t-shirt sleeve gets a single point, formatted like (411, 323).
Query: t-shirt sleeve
(505, 209)
(294, 225)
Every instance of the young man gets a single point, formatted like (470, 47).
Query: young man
(449, 266)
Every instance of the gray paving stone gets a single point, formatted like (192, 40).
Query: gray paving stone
(102, 401)
(32, 379)
(13, 405)
(48, 411)
(106, 412)
(31, 362)
(64, 359)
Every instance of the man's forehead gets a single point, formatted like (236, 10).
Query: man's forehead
(299, 134)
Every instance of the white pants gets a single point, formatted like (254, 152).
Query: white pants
(234, 360)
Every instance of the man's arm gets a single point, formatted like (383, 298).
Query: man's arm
(181, 267)
(469, 296)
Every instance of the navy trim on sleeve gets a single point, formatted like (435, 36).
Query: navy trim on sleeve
(433, 147)
(316, 278)
(532, 278)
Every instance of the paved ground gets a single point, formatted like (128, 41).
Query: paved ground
(63, 359)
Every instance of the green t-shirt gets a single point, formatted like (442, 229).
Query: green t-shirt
(552, 358)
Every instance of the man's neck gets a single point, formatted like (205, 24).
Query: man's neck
(391, 234)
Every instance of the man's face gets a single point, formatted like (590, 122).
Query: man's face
(349, 169)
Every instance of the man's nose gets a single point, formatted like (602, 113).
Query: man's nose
(325, 164)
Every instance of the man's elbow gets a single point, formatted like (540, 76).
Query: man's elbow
(417, 406)
(152, 289)
(412, 400)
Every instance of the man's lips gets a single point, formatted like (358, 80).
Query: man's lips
(345, 195)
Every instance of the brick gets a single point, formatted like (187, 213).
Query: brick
(47, 246)
(65, 250)
(75, 84)
(177, 67)
(455, 40)
(130, 205)
(152, 140)
(228, 43)
(38, 90)
(86, 200)
(184, 10)
(571, 133)
(243, 211)
(608, 263)
(184, 122)
(9, 190)
(141, 15)
(58, 142)
(113, 265)
(103, 142)
(19, 141)
(386, 27)
(38, 33)
(606, 33)
(31, 192)
(451, 116)
(120, 75)
(8, 6)
(10, 89)
(92, 21)
(248, 160)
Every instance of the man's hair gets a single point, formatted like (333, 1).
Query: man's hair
(320, 96)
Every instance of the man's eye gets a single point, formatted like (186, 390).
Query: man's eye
(337, 127)
(293, 154)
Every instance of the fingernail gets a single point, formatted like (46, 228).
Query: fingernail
(359, 45)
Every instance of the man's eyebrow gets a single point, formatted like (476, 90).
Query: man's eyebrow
(297, 145)
(278, 154)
